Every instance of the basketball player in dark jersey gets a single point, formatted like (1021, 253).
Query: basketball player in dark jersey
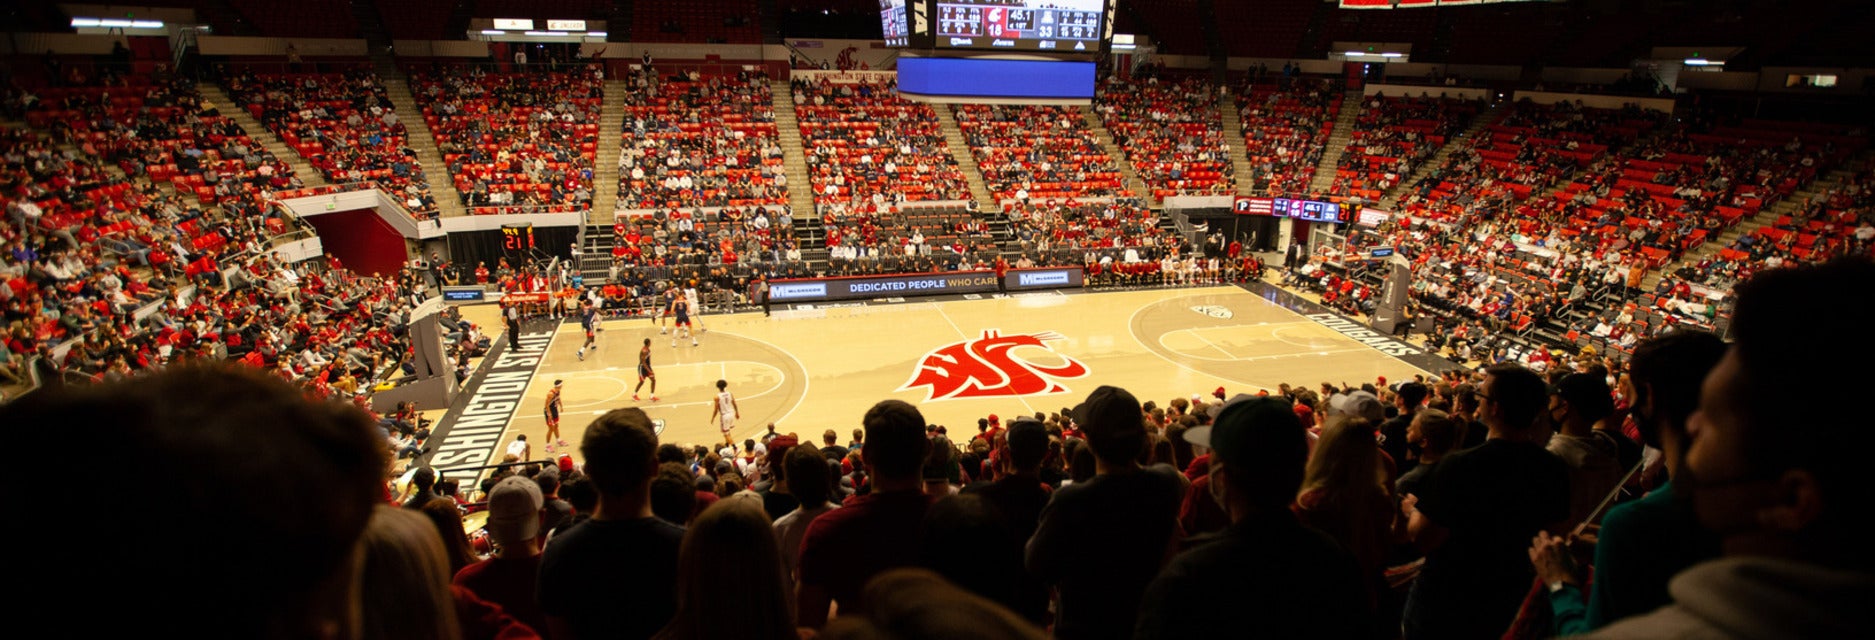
(645, 372)
(682, 330)
(553, 417)
(589, 320)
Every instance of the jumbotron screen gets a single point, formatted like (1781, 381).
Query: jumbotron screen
(1021, 25)
(892, 19)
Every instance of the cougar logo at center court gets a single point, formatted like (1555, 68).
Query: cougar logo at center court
(989, 367)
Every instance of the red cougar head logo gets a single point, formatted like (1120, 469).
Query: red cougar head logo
(985, 368)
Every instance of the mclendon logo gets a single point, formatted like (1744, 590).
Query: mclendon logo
(986, 368)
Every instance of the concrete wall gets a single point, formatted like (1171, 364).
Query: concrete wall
(307, 47)
(1415, 90)
(1719, 80)
(1563, 75)
(485, 223)
(843, 77)
(62, 43)
(440, 48)
(1599, 102)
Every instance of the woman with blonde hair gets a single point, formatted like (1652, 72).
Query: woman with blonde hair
(729, 582)
(1345, 494)
(404, 584)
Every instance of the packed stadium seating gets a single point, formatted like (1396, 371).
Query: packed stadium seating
(515, 141)
(868, 145)
(1393, 135)
(343, 124)
(1037, 152)
(696, 141)
(1532, 148)
(1171, 134)
(1286, 125)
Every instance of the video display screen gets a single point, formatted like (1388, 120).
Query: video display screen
(970, 78)
(892, 18)
(1019, 25)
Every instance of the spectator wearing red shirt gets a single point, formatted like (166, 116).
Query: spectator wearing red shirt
(872, 533)
(508, 578)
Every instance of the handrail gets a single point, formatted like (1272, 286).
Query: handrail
(512, 209)
(357, 185)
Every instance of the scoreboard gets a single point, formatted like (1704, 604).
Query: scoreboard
(1308, 210)
(1020, 25)
(892, 22)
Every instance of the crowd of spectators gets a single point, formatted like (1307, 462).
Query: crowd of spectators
(1073, 233)
(1037, 152)
(343, 124)
(1393, 135)
(1286, 124)
(107, 275)
(1834, 222)
(1461, 505)
(1533, 148)
(865, 145)
(697, 141)
(522, 142)
(161, 127)
(1170, 131)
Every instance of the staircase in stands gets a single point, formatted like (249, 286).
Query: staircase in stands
(809, 235)
(1484, 119)
(1338, 139)
(1130, 179)
(1233, 140)
(596, 242)
(605, 174)
(272, 143)
(960, 151)
(417, 132)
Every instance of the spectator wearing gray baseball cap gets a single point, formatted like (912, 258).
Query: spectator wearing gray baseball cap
(1266, 571)
(508, 578)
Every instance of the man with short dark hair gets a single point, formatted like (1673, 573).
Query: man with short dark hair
(1478, 511)
(1643, 543)
(811, 482)
(1019, 497)
(1783, 483)
(1435, 433)
(1394, 442)
(830, 446)
(1267, 572)
(1101, 541)
(1580, 402)
(845, 547)
(614, 575)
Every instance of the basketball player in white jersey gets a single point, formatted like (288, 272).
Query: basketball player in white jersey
(725, 410)
(696, 310)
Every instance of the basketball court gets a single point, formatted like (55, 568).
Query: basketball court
(815, 367)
